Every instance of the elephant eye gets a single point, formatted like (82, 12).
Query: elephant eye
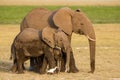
(78, 10)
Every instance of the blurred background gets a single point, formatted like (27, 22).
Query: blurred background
(60, 2)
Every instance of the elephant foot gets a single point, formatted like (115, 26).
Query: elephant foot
(53, 70)
(13, 68)
(42, 72)
(67, 69)
(91, 72)
(73, 70)
(62, 70)
(20, 72)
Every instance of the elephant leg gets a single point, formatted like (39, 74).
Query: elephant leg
(51, 60)
(44, 66)
(31, 68)
(50, 57)
(36, 65)
(23, 66)
(59, 65)
(20, 61)
(63, 62)
(14, 67)
(73, 68)
(40, 60)
(20, 67)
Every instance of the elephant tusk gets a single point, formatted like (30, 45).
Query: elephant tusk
(57, 47)
(90, 38)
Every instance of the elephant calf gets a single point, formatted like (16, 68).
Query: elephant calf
(41, 59)
(33, 43)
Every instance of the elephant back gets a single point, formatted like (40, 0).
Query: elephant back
(37, 18)
(28, 35)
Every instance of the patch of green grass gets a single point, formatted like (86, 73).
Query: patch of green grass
(97, 14)
(103, 14)
(13, 14)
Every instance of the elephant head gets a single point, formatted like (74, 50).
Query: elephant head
(56, 38)
(76, 21)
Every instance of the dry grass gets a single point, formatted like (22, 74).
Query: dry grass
(107, 56)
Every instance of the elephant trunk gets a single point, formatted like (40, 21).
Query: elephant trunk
(92, 45)
(90, 34)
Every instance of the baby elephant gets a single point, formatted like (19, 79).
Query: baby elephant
(33, 43)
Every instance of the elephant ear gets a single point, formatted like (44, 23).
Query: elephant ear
(62, 19)
(48, 36)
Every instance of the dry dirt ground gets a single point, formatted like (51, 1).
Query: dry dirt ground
(60, 2)
(107, 56)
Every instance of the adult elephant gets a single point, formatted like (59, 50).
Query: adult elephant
(69, 21)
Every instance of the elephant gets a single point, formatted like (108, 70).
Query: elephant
(58, 57)
(34, 43)
(69, 21)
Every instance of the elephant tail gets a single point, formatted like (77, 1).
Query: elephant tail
(12, 56)
(13, 50)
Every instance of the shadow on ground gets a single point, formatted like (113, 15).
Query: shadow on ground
(5, 66)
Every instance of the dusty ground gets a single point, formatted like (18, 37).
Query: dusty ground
(107, 56)
(60, 2)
